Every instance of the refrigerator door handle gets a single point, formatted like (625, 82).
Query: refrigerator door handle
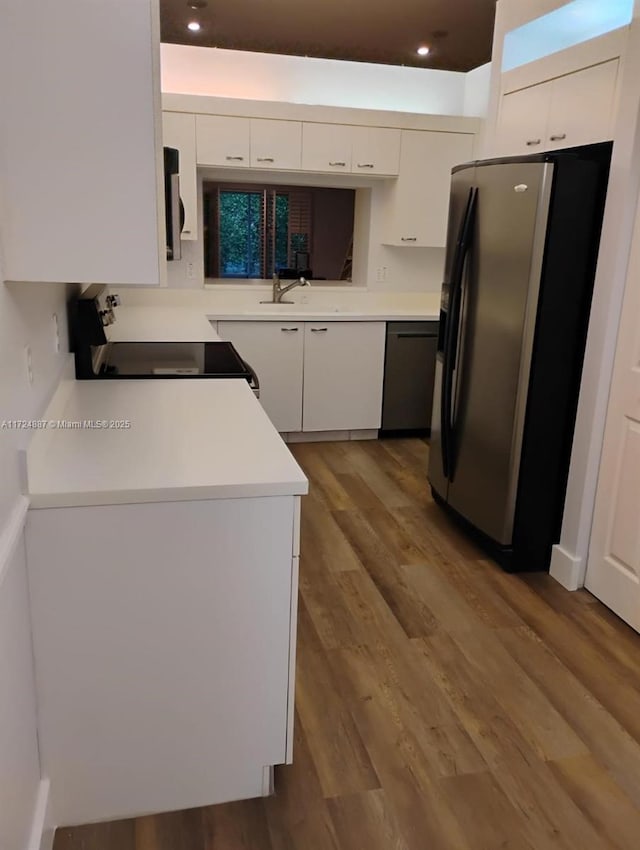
(451, 334)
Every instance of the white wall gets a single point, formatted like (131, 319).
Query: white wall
(297, 79)
(26, 312)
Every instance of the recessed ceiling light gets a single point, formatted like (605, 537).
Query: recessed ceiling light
(194, 26)
(423, 50)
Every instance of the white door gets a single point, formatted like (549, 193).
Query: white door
(274, 350)
(223, 140)
(613, 571)
(179, 131)
(582, 107)
(275, 144)
(522, 124)
(326, 147)
(376, 150)
(343, 374)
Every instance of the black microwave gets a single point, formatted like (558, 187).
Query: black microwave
(173, 207)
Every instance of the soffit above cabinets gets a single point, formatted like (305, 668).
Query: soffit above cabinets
(458, 32)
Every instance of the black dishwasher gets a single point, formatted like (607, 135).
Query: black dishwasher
(409, 370)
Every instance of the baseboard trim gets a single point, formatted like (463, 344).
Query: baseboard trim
(11, 534)
(328, 436)
(42, 830)
(567, 569)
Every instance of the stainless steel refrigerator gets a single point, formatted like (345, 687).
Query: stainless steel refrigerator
(520, 263)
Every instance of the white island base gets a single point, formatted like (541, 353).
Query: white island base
(165, 641)
(163, 571)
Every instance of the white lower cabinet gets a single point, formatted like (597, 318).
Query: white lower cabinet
(343, 375)
(275, 351)
(165, 653)
(315, 376)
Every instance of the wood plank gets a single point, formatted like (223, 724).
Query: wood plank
(551, 817)
(341, 760)
(600, 799)
(606, 738)
(579, 654)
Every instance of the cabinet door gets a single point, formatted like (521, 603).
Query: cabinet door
(581, 110)
(376, 150)
(419, 200)
(179, 131)
(343, 374)
(221, 140)
(326, 147)
(81, 142)
(523, 121)
(275, 144)
(274, 350)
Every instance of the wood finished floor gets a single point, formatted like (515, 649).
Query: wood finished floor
(441, 704)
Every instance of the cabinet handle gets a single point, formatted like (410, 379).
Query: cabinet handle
(265, 159)
(365, 165)
(289, 330)
(408, 238)
(186, 231)
(237, 158)
(341, 164)
(558, 138)
(533, 142)
(319, 330)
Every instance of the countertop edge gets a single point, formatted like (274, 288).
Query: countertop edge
(43, 501)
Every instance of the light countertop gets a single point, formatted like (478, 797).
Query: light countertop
(160, 324)
(318, 305)
(187, 440)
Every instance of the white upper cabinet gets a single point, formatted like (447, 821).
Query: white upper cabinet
(326, 147)
(275, 144)
(375, 150)
(582, 106)
(81, 186)
(179, 131)
(418, 201)
(223, 140)
(571, 110)
(523, 121)
(343, 375)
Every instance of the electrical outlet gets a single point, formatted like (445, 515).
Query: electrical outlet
(28, 363)
(191, 272)
(381, 273)
(56, 334)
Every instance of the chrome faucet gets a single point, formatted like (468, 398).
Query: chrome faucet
(279, 290)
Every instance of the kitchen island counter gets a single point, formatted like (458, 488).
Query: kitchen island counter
(163, 574)
(164, 440)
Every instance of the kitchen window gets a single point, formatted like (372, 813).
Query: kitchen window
(250, 231)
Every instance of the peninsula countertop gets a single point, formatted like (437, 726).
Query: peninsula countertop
(131, 441)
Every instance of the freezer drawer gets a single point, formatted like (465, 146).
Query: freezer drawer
(409, 375)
